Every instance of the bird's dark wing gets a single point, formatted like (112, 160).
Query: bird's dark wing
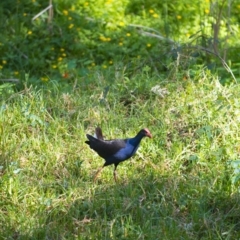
(105, 148)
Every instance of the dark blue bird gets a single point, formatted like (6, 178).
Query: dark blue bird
(115, 151)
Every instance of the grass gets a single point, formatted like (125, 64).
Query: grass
(178, 186)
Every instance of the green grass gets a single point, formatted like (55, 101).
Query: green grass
(178, 186)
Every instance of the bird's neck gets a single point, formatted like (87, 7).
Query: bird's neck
(136, 140)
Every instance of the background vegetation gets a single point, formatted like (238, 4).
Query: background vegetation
(123, 65)
(73, 38)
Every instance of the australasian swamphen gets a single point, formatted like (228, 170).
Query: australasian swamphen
(115, 151)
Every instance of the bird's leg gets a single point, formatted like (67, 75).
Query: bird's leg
(115, 172)
(115, 175)
(98, 172)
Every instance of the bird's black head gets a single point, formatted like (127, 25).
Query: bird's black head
(146, 133)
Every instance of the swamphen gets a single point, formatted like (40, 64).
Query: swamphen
(115, 151)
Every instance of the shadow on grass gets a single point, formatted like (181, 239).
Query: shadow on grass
(145, 208)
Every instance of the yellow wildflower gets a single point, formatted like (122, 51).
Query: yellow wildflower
(155, 15)
(179, 17)
(71, 26)
(102, 38)
(151, 11)
(149, 45)
(64, 54)
(4, 61)
(54, 66)
(29, 32)
(62, 49)
(120, 44)
(44, 79)
(60, 59)
(16, 73)
(122, 24)
(65, 12)
(128, 34)
(1, 66)
(206, 11)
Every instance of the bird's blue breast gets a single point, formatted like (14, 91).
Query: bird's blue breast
(126, 152)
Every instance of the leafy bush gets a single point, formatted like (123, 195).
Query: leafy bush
(74, 37)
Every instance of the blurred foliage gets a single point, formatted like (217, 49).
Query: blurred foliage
(74, 37)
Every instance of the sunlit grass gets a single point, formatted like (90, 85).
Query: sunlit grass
(178, 186)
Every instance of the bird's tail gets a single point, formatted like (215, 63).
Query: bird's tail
(98, 133)
(91, 139)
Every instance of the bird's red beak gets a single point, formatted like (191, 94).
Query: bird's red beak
(149, 135)
(147, 132)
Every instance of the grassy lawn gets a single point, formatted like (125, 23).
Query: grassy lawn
(180, 184)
